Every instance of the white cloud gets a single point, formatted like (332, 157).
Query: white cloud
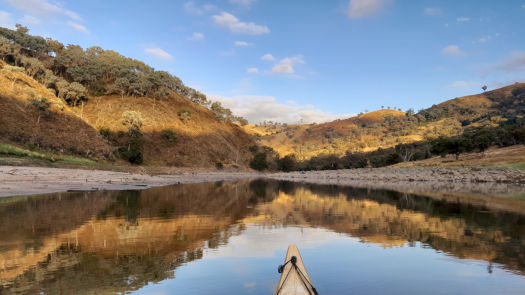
(237, 27)
(485, 39)
(252, 70)
(268, 57)
(286, 65)
(158, 53)
(432, 11)
(191, 8)
(364, 8)
(265, 108)
(5, 20)
(242, 44)
(77, 27)
(196, 36)
(273, 242)
(462, 84)
(452, 50)
(515, 63)
(463, 19)
(43, 8)
(29, 20)
(243, 3)
(37, 11)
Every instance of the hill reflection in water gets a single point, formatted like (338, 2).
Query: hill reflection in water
(228, 238)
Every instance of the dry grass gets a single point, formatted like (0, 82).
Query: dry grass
(60, 130)
(202, 141)
(513, 157)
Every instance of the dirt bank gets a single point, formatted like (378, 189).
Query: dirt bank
(419, 179)
(38, 180)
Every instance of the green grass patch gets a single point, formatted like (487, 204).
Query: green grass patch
(519, 166)
(13, 151)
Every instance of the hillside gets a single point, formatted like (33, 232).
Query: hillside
(98, 104)
(201, 140)
(386, 128)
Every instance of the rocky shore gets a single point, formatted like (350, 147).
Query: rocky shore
(16, 180)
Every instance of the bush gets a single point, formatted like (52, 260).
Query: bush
(259, 162)
(169, 136)
(106, 134)
(288, 163)
(42, 104)
(253, 149)
(132, 153)
(219, 165)
(184, 115)
(131, 119)
(97, 88)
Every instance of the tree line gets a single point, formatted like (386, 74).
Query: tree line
(474, 139)
(74, 73)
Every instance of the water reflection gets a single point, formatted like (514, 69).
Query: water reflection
(117, 242)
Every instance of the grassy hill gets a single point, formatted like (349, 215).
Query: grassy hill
(93, 103)
(386, 128)
(201, 140)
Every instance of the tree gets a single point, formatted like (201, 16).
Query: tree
(75, 93)
(456, 146)
(133, 151)
(131, 119)
(121, 86)
(484, 88)
(259, 162)
(21, 29)
(288, 163)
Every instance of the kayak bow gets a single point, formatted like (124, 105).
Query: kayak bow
(294, 278)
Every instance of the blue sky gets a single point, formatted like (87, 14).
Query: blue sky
(302, 60)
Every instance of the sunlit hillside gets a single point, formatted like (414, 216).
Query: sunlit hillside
(98, 104)
(387, 128)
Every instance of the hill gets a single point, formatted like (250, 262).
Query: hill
(383, 129)
(98, 104)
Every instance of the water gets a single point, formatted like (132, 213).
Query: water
(229, 238)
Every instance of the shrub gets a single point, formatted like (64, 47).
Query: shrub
(106, 134)
(42, 104)
(168, 136)
(259, 162)
(253, 149)
(184, 115)
(131, 119)
(97, 88)
(288, 163)
(219, 165)
(132, 152)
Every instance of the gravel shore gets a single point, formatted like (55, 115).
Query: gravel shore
(15, 180)
(419, 179)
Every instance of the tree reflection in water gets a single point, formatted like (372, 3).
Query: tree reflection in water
(119, 241)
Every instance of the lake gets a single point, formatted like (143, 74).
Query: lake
(230, 237)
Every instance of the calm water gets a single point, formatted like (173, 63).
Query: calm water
(229, 238)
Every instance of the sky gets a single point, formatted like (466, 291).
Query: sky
(302, 60)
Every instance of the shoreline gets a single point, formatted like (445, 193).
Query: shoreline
(23, 180)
